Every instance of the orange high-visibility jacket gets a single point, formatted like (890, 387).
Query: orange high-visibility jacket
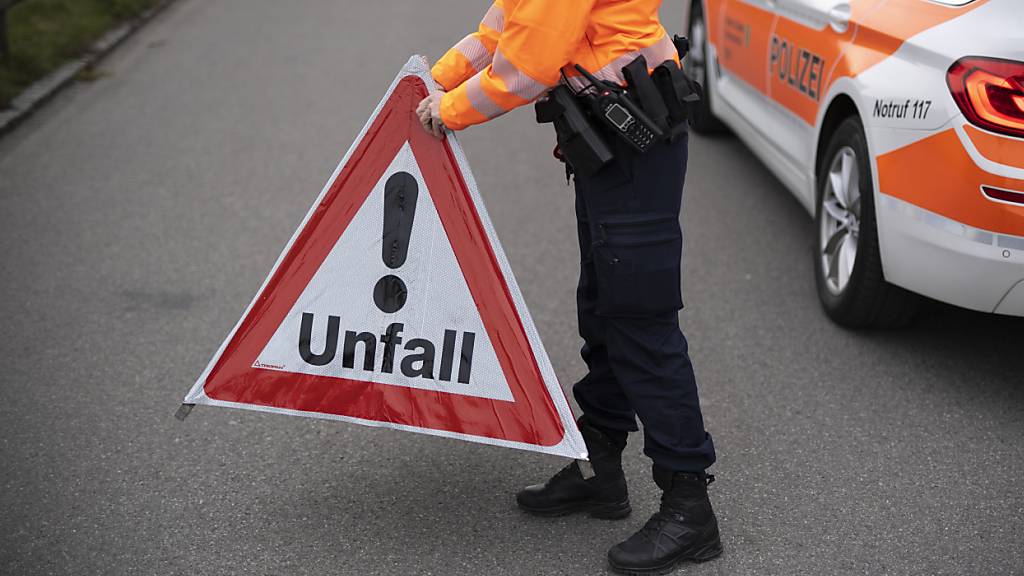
(522, 47)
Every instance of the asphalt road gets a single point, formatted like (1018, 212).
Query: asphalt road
(139, 213)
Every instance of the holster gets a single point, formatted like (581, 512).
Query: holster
(681, 95)
(645, 93)
(668, 96)
(584, 149)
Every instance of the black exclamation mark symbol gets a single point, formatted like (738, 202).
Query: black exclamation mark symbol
(400, 192)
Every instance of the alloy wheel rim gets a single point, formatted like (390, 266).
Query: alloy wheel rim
(840, 220)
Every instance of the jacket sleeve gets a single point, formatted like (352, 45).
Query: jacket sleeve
(539, 38)
(473, 53)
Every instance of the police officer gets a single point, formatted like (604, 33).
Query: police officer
(628, 296)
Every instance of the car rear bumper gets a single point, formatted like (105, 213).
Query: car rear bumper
(949, 261)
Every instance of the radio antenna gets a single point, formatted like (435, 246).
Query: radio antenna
(594, 81)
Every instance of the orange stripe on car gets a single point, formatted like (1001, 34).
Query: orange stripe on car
(883, 27)
(1000, 149)
(954, 192)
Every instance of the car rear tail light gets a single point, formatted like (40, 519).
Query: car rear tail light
(1003, 195)
(990, 93)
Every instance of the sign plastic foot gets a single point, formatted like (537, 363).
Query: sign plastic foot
(183, 411)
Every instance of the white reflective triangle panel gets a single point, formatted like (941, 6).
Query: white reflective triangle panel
(438, 305)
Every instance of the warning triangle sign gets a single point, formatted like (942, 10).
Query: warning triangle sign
(393, 304)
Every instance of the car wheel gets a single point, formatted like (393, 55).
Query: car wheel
(847, 262)
(696, 66)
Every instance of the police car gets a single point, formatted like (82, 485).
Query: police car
(899, 124)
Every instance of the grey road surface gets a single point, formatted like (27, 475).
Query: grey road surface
(140, 212)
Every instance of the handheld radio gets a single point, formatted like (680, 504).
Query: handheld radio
(612, 105)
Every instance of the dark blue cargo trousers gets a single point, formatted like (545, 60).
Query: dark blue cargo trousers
(628, 301)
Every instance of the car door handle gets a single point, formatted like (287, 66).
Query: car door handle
(817, 13)
(839, 17)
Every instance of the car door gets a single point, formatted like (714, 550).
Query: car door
(742, 30)
(807, 40)
(743, 35)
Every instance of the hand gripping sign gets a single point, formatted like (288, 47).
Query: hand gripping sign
(393, 304)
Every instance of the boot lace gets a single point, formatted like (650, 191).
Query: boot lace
(653, 528)
(654, 525)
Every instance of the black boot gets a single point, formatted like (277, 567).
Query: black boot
(684, 529)
(602, 492)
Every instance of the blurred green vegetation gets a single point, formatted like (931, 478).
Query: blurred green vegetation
(43, 34)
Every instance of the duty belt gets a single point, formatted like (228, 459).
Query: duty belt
(651, 108)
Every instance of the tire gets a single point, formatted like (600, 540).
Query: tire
(847, 261)
(696, 66)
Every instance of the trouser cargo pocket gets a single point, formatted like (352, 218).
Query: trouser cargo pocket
(638, 266)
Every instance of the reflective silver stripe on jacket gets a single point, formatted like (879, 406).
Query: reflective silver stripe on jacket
(494, 19)
(479, 99)
(655, 54)
(474, 50)
(516, 81)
